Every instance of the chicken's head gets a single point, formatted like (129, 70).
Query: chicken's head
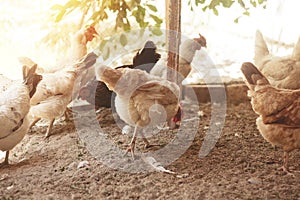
(90, 32)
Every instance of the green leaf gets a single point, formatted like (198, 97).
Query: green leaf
(57, 7)
(213, 4)
(241, 2)
(227, 3)
(60, 16)
(253, 2)
(72, 3)
(102, 44)
(236, 20)
(215, 11)
(156, 31)
(246, 13)
(156, 19)
(106, 53)
(123, 40)
(152, 7)
(126, 26)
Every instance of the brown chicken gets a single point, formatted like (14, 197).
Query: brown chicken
(278, 110)
(142, 99)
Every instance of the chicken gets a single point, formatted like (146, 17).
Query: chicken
(278, 110)
(79, 42)
(186, 54)
(55, 91)
(14, 108)
(77, 50)
(96, 92)
(146, 58)
(282, 72)
(141, 99)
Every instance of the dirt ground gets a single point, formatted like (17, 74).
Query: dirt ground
(242, 165)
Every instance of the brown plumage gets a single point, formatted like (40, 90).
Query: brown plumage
(142, 99)
(55, 91)
(278, 110)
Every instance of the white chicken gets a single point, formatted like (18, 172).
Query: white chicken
(142, 99)
(282, 72)
(55, 91)
(14, 108)
(77, 50)
(186, 54)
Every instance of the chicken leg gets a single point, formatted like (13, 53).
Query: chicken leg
(34, 122)
(131, 145)
(285, 166)
(5, 162)
(47, 135)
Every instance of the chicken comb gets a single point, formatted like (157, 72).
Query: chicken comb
(92, 30)
(253, 75)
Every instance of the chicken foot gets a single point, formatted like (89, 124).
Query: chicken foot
(285, 166)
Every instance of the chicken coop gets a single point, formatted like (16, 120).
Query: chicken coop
(148, 99)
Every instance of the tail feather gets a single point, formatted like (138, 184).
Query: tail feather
(253, 75)
(31, 79)
(296, 51)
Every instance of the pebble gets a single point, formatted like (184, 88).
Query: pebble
(254, 180)
(83, 164)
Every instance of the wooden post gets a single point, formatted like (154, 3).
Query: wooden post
(173, 26)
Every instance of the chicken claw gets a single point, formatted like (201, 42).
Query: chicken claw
(130, 148)
(285, 166)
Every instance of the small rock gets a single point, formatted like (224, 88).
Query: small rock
(10, 187)
(200, 113)
(254, 180)
(83, 164)
(182, 175)
(3, 177)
